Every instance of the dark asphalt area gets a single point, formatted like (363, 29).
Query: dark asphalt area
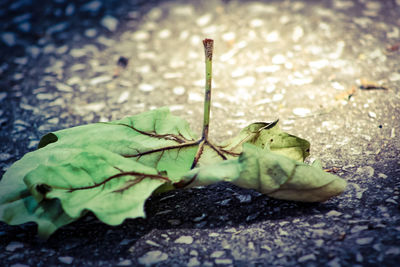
(329, 70)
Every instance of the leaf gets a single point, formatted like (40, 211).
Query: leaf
(263, 135)
(272, 174)
(94, 179)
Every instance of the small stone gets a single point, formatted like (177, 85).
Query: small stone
(14, 246)
(246, 81)
(358, 228)
(125, 263)
(179, 90)
(3, 96)
(298, 33)
(70, 9)
(364, 240)
(359, 257)
(268, 69)
(382, 175)
(366, 171)
(278, 59)
(308, 257)
(64, 88)
(244, 198)
(90, 33)
(393, 251)
(217, 254)
(228, 36)
(145, 87)
(140, 36)
(333, 213)
(200, 218)
(184, 240)
(93, 6)
(372, 114)
(255, 23)
(123, 97)
(334, 263)
(9, 38)
(109, 22)
(152, 243)
(193, 262)
(301, 112)
(272, 37)
(164, 34)
(223, 261)
(195, 97)
(277, 97)
(66, 259)
(338, 86)
(394, 77)
(153, 257)
(318, 64)
(204, 20)
(5, 156)
(99, 80)
(59, 27)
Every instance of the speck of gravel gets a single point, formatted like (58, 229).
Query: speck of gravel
(153, 257)
(184, 240)
(66, 259)
(364, 240)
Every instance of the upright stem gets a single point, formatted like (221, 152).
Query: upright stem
(208, 49)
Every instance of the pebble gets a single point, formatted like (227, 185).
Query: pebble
(62, 26)
(123, 97)
(223, 261)
(153, 257)
(301, 112)
(140, 35)
(267, 69)
(371, 114)
(309, 257)
(109, 22)
(217, 254)
(246, 81)
(334, 263)
(229, 36)
(255, 23)
(204, 20)
(393, 251)
(394, 77)
(199, 218)
(364, 240)
(358, 228)
(93, 6)
(193, 262)
(90, 33)
(365, 171)
(100, 79)
(70, 9)
(333, 213)
(3, 96)
(184, 240)
(14, 245)
(66, 259)
(145, 87)
(9, 38)
(272, 37)
(64, 88)
(179, 90)
(125, 263)
(243, 198)
(298, 33)
(278, 59)
(164, 34)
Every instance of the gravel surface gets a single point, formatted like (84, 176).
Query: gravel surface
(330, 70)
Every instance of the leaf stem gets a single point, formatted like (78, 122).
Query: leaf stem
(208, 49)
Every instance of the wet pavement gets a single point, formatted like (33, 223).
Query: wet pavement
(329, 70)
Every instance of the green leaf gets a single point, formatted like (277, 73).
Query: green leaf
(269, 135)
(272, 174)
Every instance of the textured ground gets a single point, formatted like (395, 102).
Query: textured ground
(300, 61)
